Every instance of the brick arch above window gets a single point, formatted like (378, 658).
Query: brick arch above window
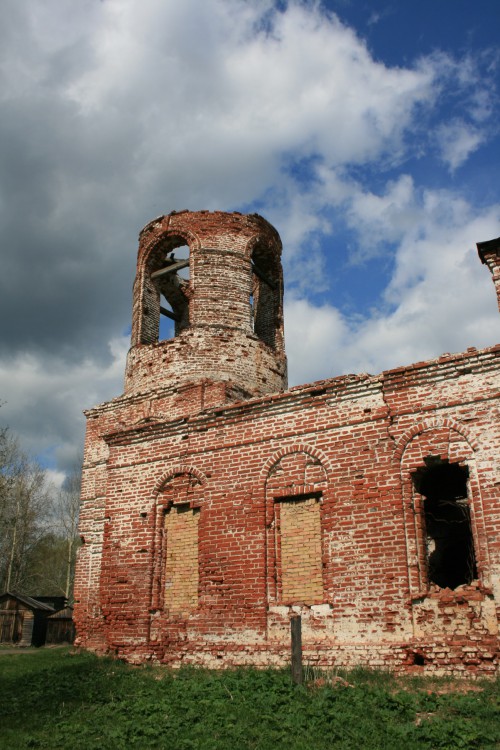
(431, 425)
(182, 483)
(317, 456)
(162, 237)
(294, 470)
(269, 244)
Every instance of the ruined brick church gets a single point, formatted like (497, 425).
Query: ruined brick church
(216, 502)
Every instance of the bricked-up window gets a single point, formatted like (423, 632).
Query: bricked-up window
(451, 560)
(171, 279)
(299, 550)
(181, 565)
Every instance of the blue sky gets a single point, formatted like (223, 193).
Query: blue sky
(367, 133)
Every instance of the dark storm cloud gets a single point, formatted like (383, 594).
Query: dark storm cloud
(63, 274)
(112, 113)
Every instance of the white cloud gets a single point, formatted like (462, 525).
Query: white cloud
(440, 297)
(55, 478)
(457, 141)
(314, 337)
(212, 92)
(117, 111)
(384, 218)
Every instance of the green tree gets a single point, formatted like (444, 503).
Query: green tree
(66, 521)
(25, 508)
(38, 525)
(52, 560)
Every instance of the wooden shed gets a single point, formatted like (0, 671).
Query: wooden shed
(23, 620)
(60, 627)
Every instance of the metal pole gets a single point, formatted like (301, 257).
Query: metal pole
(296, 633)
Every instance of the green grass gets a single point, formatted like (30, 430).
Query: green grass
(54, 698)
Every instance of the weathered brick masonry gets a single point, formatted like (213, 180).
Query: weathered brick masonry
(215, 502)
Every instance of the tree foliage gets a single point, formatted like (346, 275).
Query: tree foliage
(38, 525)
(66, 514)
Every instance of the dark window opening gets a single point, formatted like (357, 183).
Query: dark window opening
(171, 279)
(264, 297)
(451, 560)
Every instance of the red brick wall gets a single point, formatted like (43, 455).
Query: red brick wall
(325, 467)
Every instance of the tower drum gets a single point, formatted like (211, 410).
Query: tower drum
(208, 304)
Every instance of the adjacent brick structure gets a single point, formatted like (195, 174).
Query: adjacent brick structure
(489, 252)
(216, 503)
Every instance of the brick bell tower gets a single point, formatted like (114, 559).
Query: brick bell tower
(207, 331)
(216, 279)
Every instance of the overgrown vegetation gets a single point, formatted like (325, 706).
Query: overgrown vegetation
(38, 525)
(60, 698)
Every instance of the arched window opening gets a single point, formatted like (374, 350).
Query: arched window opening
(264, 298)
(171, 279)
(451, 559)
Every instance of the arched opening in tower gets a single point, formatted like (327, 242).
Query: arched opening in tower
(264, 295)
(171, 279)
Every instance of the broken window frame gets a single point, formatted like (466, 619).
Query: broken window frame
(440, 509)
